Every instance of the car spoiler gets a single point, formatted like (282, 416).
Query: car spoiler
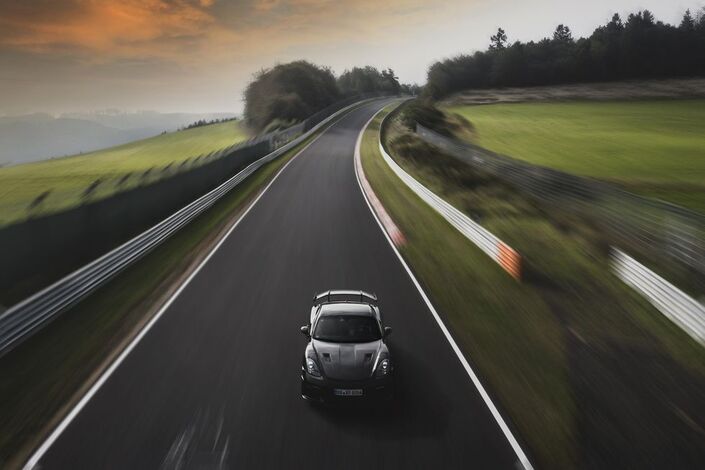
(344, 296)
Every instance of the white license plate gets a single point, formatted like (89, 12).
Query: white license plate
(346, 392)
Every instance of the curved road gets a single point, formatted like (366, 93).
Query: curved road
(215, 382)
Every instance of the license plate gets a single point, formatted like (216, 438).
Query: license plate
(346, 392)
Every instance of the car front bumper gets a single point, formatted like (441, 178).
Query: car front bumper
(323, 389)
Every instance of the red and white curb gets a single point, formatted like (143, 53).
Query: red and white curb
(392, 230)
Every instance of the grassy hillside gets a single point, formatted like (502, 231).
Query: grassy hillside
(579, 362)
(653, 147)
(67, 178)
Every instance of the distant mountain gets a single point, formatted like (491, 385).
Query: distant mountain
(34, 137)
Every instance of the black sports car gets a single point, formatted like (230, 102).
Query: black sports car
(346, 357)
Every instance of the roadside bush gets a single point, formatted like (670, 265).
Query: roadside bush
(426, 115)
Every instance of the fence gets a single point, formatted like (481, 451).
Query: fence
(24, 318)
(52, 244)
(51, 200)
(653, 226)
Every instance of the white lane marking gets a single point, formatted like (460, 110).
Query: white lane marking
(46, 445)
(523, 459)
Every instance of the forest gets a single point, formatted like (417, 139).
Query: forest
(635, 48)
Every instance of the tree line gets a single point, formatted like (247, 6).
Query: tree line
(288, 93)
(638, 47)
(204, 122)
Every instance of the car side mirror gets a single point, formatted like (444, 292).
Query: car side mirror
(305, 331)
(387, 331)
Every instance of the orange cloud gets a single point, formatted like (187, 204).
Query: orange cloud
(118, 27)
(194, 32)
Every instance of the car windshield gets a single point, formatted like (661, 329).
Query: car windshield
(347, 329)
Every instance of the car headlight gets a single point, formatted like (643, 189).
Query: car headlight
(383, 368)
(312, 367)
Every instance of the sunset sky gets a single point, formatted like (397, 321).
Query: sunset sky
(197, 55)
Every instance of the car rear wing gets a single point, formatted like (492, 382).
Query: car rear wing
(344, 296)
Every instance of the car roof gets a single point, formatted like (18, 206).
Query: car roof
(346, 308)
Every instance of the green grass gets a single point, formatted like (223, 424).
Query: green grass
(508, 332)
(553, 349)
(654, 147)
(43, 375)
(68, 177)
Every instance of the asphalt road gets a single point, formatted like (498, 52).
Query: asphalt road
(215, 382)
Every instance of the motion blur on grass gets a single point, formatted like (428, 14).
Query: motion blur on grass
(652, 147)
(572, 333)
(52, 185)
(587, 370)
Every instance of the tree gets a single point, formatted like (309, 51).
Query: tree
(288, 92)
(562, 34)
(368, 79)
(391, 81)
(700, 20)
(687, 24)
(649, 18)
(499, 40)
(640, 47)
(615, 25)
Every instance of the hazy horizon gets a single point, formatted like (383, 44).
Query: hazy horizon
(196, 56)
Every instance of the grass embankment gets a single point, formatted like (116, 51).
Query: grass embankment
(588, 372)
(51, 369)
(67, 178)
(652, 147)
(502, 325)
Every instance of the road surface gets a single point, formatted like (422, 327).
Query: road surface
(215, 382)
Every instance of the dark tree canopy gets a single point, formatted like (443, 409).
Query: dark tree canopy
(562, 34)
(292, 92)
(368, 79)
(640, 47)
(688, 23)
(289, 92)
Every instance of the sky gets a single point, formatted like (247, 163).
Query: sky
(198, 55)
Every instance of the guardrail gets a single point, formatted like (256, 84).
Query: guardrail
(51, 200)
(657, 227)
(19, 321)
(680, 308)
(673, 303)
(495, 248)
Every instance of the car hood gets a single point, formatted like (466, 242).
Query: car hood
(347, 361)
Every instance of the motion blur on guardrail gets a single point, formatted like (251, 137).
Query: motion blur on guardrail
(24, 318)
(661, 229)
(51, 199)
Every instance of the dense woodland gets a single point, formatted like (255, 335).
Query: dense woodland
(638, 47)
(368, 79)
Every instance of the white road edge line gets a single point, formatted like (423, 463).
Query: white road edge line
(523, 459)
(46, 445)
